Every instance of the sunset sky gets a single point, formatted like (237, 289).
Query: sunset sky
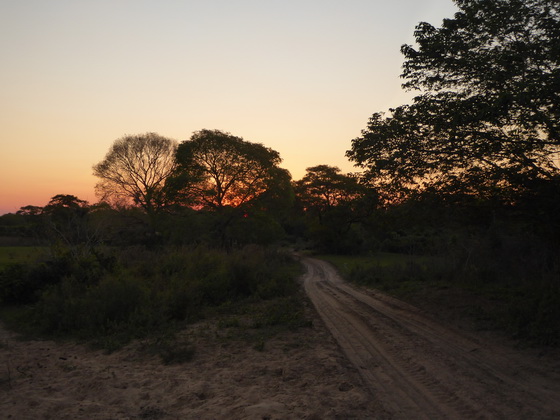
(300, 76)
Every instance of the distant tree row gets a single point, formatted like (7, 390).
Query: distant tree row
(215, 187)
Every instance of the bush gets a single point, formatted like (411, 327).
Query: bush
(24, 283)
(138, 292)
(534, 315)
(71, 308)
(516, 272)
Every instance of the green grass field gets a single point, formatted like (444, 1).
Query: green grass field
(19, 254)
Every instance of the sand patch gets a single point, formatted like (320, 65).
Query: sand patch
(299, 375)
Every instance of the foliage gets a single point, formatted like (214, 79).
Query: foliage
(23, 283)
(286, 312)
(392, 272)
(324, 187)
(20, 254)
(66, 222)
(277, 200)
(135, 171)
(171, 349)
(217, 169)
(255, 227)
(123, 227)
(486, 119)
(240, 194)
(136, 292)
(332, 204)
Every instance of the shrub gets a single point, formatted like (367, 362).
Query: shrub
(86, 311)
(534, 315)
(24, 283)
(138, 292)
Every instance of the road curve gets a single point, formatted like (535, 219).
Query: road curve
(418, 368)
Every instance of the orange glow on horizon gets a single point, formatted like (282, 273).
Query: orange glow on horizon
(299, 77)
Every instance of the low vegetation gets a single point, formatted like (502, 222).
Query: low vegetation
(20, 254)
(114, 295)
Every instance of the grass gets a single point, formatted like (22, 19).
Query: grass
(20, 254)
(381, 259)
(253, 322)
(397, 274)
(170, 348)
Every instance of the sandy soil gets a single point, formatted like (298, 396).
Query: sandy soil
(298, 375)
(369, 356)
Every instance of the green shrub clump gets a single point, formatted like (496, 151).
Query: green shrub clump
(135, 291)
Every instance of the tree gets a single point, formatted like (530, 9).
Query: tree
(217, 169)
(135, 171)
(333, 203)
(30, 210)
(65, 201)
(488, 111)
(324, 187)
(278, 199)
(66, 219)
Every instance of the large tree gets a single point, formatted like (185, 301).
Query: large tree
(325, 187)
(67, 223)
(220, 169)
(488, 111)
(332, 203)
(135, 171)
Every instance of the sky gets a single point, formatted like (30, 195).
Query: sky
(299, 76)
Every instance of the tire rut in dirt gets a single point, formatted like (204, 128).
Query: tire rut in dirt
(415, 366)
(409, 386)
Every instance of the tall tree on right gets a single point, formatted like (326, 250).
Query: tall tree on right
(488, 111)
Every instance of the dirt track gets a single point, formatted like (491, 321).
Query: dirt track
(418, 368)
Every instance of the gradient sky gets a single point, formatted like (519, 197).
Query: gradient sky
(300, 76)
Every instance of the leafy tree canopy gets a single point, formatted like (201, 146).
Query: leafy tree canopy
(324, 187)
(65, 201)
(332, 203)
(30, 210)
(488, 111)
(135, 171)
(217, 169)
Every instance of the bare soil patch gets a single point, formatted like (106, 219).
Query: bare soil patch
(294, 375)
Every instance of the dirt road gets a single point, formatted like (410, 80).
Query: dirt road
(417, 367)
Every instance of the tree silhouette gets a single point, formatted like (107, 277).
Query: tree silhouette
(135, 171)
(332, 203)
(488, 111)
(217, 169)
(324, 187)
